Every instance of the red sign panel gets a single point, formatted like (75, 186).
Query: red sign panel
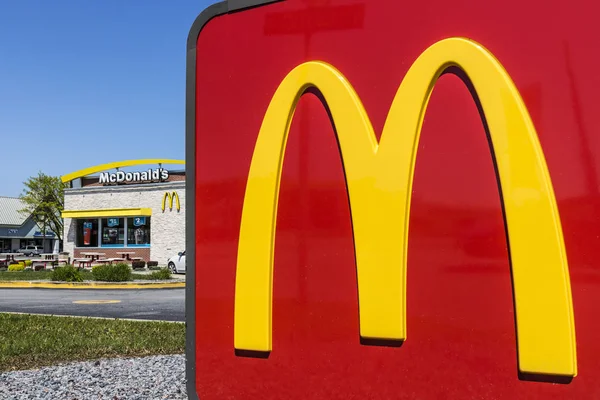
(393, 200)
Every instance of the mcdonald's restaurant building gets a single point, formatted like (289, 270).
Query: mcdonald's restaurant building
(108, 210)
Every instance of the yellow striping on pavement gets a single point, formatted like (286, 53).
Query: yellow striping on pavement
(90, 285)
(96, 301)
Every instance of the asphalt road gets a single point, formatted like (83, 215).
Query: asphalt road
(154, 304)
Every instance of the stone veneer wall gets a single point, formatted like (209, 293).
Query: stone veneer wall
(167, 231)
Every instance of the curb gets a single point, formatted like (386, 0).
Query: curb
(89, 285)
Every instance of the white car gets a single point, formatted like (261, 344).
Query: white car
(177, 263)
(31, 250)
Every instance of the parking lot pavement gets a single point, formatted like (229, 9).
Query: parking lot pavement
(149, 304)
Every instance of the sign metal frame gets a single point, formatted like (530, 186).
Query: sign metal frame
(212, 11)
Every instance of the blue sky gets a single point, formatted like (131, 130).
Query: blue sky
(84, 82)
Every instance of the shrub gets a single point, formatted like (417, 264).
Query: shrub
(20, 265)
(67, 273)
(16, 267)
(38, 267)
(28, 263)
(161, 274)
(138, 264)
(112, 273)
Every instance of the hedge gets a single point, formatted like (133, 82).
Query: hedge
(67, 273)
(112, 273)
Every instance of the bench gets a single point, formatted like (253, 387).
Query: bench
(43, 263)
(84, 261)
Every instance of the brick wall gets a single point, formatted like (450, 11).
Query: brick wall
(112, 252)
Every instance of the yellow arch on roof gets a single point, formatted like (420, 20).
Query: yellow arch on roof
(117, 164)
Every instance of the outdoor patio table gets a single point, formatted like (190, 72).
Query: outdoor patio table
(126, 254)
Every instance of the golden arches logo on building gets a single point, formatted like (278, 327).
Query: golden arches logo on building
(379, 179)
(170, 197)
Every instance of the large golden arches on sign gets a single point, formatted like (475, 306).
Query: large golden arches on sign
(379, 179)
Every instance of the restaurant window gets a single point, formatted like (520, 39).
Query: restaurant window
(138, 231)
(87, 233)
(113, 232)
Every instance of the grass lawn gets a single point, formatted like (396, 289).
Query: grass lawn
(45, 275)
(31, 341)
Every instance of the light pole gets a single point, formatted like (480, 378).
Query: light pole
(43, 218)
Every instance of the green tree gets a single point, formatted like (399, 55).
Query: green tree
(44, 201)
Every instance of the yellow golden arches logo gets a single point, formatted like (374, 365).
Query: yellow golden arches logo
(170, 197)
(379, 180)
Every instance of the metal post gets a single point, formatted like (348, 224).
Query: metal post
(44, 234)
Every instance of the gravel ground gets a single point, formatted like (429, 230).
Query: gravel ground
(148, 378)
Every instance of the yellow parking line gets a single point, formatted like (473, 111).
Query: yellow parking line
(96, 301)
